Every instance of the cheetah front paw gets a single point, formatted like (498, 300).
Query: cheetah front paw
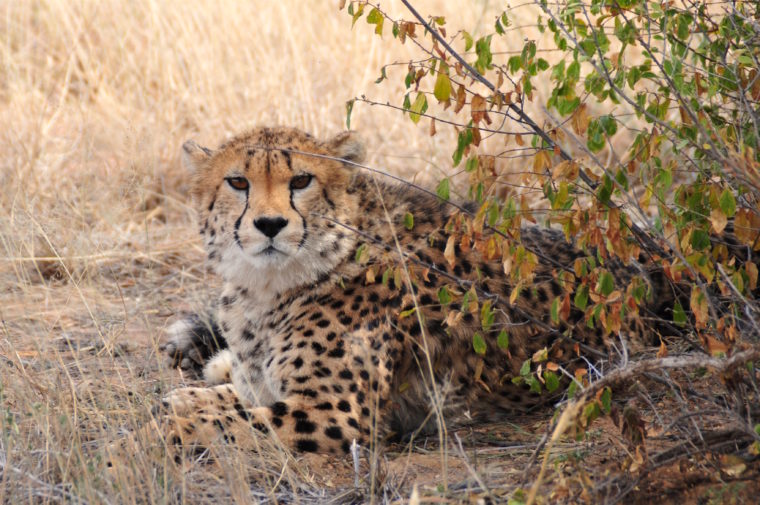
(219, 368)
(192, 341)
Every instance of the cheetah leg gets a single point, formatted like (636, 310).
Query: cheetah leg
(184, 402)
(205, 416)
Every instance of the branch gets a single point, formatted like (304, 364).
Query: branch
(720, 365)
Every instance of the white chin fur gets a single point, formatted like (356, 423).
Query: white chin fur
(267, 276)
(218, 369)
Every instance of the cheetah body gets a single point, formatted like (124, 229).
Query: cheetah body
(320, 351)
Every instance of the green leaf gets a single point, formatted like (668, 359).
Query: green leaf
(572, 389)
(543, 64)
(558, 71)
(573, 72)
(502, 340)
(606, 284)
(682, 26)
(487, 315)
(356, 14)
(375, 17)
(408, 81)
(479, 344)
(464, 139)
(442, 190)
(514, 64)
(565, 106)
(499, 29)
(467, 41)
(700, 239)
(679, 315)
(442, 90)
(386, 276)
(525, 368)
(595, 141)
(597, 310)
(621, 178)
(552, 381)
(727, 203)
(605, 190)
(493, 213)
(469, 297)
(518, 498)
(581, 297)
(418, 108)
(608, 124)
(591, 412)
(383, 76)
(527, 84)
(349, 110)
(444, 296)
(407, 313)
(472, 164)
(409, 220)
(555, 310)
(606, 398)
(362, 254)
(534, 383)
(528, 53)
(483, 50)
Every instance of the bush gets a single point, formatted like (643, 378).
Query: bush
(648, 152)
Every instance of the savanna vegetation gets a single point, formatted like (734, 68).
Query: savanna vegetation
(631, 125)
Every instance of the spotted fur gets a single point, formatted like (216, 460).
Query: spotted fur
(319, 352)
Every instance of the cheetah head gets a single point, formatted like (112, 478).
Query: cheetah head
(274, 204)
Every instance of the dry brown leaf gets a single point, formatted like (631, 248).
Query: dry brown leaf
(541, 162)
(663, 351)
(580, 120)
(718, 220)
(461, 98)
(448, 253)
(479, 110)
(698, 304)
(715, 347)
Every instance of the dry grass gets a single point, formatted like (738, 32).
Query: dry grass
(98, 246)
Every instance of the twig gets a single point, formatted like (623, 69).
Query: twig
(472, 471)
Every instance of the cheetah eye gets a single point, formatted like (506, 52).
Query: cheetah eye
(300, 181)
(239, 183)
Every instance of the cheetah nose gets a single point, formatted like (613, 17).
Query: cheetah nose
(270, 226)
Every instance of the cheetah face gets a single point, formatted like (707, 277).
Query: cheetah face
(274, 206)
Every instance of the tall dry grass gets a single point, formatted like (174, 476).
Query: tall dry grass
(98, 246)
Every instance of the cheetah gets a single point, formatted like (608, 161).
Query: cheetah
(331, 325)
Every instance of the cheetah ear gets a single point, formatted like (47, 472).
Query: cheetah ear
(194, 156)
(348, 146)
